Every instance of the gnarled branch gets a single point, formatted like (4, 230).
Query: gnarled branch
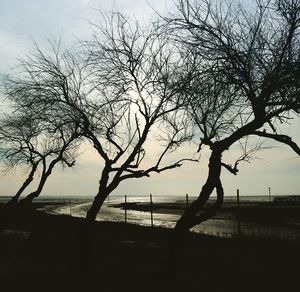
(279, 138)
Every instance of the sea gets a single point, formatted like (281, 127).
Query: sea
(224, 224)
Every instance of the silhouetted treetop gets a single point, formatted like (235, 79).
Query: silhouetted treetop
(247, 61)
(244, 64)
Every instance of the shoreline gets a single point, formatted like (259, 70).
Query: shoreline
(258, 219)
(252, 211)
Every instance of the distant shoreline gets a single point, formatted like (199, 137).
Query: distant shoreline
(288, 206)
(175, 197)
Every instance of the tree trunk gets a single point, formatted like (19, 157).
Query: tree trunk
(85, 233)
(12, 204)
(6, 213)
(190, 218)
(86, 250)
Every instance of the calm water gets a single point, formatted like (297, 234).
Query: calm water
(224, 224)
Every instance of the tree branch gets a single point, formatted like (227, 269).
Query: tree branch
(232, 169)
(156, 169)
(280, 138)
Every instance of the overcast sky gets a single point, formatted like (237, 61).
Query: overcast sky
(24, 20)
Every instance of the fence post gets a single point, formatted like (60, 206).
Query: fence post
(238, 211)
(151, 209)
(270, 194)
(186, 201)
(70, 208)
(125, 207)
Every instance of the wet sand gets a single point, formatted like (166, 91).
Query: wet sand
(257, 219)
(131, 258)
(253, 210)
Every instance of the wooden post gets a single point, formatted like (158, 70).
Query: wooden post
(70, 208)
(186, 201)
(151, 209)
(125, 208)
(270, 195)
(238, 211)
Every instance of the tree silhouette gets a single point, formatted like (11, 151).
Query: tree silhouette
(137, 80)
(120, 89)
(244, 82)
(33, 139)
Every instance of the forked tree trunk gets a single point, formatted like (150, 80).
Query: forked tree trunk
(189, 218)
(9, 208)
(15, 203)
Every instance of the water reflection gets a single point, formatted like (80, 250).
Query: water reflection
(223, 225)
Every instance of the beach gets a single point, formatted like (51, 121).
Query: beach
(42, 255)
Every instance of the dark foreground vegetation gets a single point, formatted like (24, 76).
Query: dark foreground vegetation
(132, 258)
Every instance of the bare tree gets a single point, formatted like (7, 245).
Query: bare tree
(136, 75)
(244, 82)
(33, 139)
(121, 89)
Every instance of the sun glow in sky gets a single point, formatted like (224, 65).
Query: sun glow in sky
(21, 22)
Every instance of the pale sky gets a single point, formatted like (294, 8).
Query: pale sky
(24, 20)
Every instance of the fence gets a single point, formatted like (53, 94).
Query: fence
(230, 223)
